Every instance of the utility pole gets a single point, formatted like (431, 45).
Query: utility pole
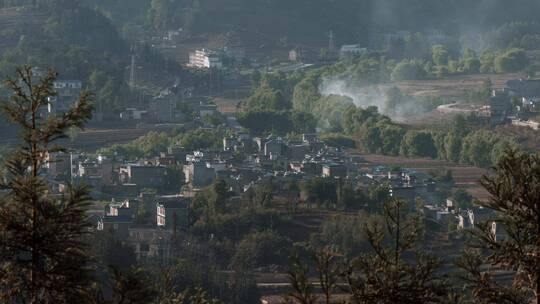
(132, 68)
(331, 44)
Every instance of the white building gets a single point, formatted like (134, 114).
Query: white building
(349, 50)
(68, 92)
(204, 59)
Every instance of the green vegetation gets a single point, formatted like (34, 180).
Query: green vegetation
(344, 233)
(81, 43)
(378, 134)
(44, 229)
(269, 109)
(514, 199)
(153, 143)
(391, 268)
(409, 70)
(382, 257)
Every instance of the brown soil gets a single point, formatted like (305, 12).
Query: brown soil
(464, 176)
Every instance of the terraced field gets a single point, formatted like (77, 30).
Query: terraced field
(468, 177)
(13, 20)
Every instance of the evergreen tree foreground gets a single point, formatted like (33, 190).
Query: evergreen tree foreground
(43, 258)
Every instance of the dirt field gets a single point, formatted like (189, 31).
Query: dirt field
(467, 177)
(227, 106)
(91, 138)
(450, 89)
(453, 87)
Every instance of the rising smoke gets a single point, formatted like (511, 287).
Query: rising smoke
(389, 100)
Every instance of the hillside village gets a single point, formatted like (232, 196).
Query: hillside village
(273, 152)
(147, 201)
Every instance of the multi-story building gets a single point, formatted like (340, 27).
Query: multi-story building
(144, 176)
(68, 92)
(198, 174)
(204, 59)
(500, 106)
(173, 214)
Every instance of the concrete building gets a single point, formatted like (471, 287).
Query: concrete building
(173, 214)
(229, 143)
(204, 59)
(352, 50)
(334, 170)
(68, 92)
(199, 175)
(297, 151)
(118, 225)
(58, 164)
(500, 106)
(99, 167)
(275, 147)
(133, 114)
(127, 208)
(144, 176)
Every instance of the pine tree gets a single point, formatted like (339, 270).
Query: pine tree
(43, 258)
(515, 200)
(394, 271)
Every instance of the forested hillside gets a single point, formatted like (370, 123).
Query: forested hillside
(78, 41)
(350, 20)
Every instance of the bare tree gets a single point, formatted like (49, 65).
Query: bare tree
(42, 256)
(328, 271)
(302, 292)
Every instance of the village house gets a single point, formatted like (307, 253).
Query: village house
(150, 243)
(207, 109)
(117, 225)
(275, 147)
(334, 170)
(297, 151)
(144, 176)
(173, 214)
(127, 208)
(68, 92)
(229, 143)
(100, 166)
(198, 174)
(133, 114)
(58, 165)
(179, 153)
(500, 106)
(352, 50)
